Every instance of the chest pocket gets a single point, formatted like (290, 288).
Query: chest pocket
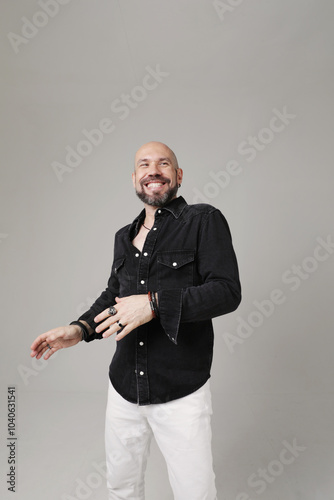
(176, 269)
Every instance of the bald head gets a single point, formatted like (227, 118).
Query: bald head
(157, 176)
(156, 149)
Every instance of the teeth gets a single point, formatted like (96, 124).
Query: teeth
(154, 184)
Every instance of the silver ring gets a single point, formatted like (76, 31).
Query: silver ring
(120, 324)
(49, 346)
(112, 311)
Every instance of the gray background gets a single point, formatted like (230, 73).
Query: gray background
(228, 69)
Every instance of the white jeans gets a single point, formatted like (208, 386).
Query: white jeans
(183, 433)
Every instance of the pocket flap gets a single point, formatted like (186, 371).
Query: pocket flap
(118, 263)
(176, 259)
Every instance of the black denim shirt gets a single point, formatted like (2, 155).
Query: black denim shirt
(189, 260)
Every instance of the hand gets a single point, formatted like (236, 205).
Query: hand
(59, 338)
(132, 312)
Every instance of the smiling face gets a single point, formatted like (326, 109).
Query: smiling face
(157, 175)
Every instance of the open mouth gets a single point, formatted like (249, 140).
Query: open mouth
(155, 184)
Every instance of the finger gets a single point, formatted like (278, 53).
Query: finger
(49, 353)
(45, 350)
(111, 320)
(45, 354)
(42, 338)
(125, 331)
(38, 341)
(103, 315)
(34, 352)
(119, 300)
(38, 350)
(114, 328)
(106, 324)
(43, 347)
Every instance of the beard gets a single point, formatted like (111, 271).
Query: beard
(157, 200)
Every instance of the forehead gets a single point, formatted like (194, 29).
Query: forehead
(153, 152)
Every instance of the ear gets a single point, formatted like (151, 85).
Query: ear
(133, 179)
(179, 174)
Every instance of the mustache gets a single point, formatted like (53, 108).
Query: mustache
(156, 177)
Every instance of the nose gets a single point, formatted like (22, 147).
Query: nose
(154, 168)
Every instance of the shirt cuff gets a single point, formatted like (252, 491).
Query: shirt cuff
(170, 307)
(89, 318)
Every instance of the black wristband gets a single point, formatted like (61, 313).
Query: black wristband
(84, 330)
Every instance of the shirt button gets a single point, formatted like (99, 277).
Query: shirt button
(141, 343)
(142, 282)
(174, 264)
(137, 255)
(141, 373)
(145, 254)
(154, 229)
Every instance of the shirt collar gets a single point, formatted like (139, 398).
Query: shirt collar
(175, 207)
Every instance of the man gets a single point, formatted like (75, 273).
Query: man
(174, 270)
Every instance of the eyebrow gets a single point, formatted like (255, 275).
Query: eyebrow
(146, 159)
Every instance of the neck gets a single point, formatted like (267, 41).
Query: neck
(150, 213)
(149, 217)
